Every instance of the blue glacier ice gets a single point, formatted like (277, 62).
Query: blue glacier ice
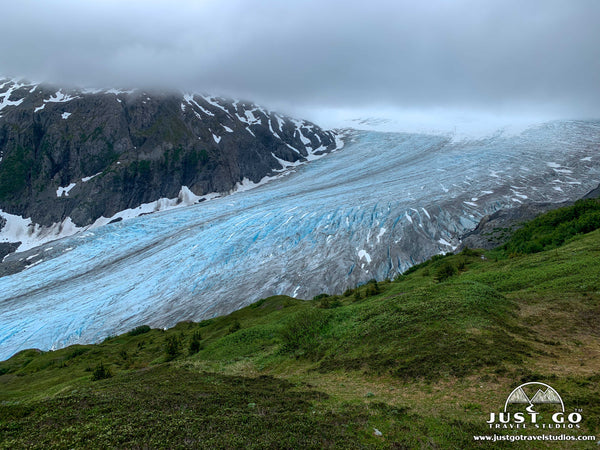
(383, 203)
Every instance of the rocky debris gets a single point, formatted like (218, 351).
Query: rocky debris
(495, 229)
(594, 193)
(11, 263)
(6, 248)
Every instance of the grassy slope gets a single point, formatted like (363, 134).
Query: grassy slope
(424, 361)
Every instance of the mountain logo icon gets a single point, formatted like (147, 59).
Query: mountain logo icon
(544, 394)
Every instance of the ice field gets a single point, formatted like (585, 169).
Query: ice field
(371, 210)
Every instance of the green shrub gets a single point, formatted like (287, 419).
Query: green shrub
(139, 330)
(101, 372)
(325, 303)
(470, 252)
(235, 326)
(372, 289)
(173, 346)
(552, 229)
(330, 302)
(303, 330)
(15, 170)
(206, 323)
(445, 271)
(258, 303)
(433, 259)
(195, 344)
(76, 352)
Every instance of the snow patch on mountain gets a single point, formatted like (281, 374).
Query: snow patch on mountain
(213, 101)
(189, 98)
(5, 98)
(64, 191)
(86, 179)
(20, 229)
(60, 97)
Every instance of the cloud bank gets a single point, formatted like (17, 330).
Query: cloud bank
(502, 57)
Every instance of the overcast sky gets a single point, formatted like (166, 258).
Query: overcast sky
(498, 57)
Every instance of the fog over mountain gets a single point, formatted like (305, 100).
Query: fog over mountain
(439, 59)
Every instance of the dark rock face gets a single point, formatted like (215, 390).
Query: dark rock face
(5, 249)
(118, 149)
(594, 193)
(495, 229)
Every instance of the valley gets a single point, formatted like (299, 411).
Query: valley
(385, 202)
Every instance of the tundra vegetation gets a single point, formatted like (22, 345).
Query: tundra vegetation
(423, 359)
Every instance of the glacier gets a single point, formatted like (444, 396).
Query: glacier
(383, 203)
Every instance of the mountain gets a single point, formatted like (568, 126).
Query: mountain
(519, 396)
(70, 158)
(384, 203)
(547, 396)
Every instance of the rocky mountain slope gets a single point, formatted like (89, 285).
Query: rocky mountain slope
(495, 229)
(71, 157)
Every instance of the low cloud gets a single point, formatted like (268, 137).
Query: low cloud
(538, 56)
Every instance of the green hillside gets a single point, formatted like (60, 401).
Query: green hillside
(417, 362)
